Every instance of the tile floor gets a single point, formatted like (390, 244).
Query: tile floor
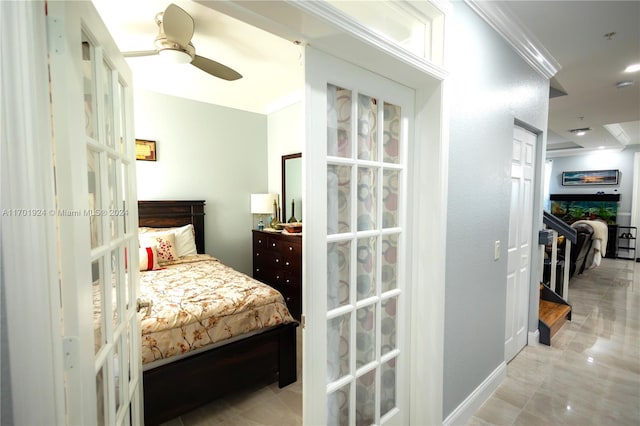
(590, 375)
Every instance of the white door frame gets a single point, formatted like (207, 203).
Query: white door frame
(28, 251)
(310, 22)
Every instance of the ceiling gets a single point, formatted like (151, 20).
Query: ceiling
(573, 32)
(272, 67)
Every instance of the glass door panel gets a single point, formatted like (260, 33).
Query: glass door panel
(364, 186)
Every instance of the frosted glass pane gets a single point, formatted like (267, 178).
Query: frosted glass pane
(88, 85)
(391, 133)
(338, 199)
(338, 347)
(338, 407)
(117, 365)
(124, 180)
(365, 335)
(338, 122)
(99, 333)
(390, 198)
(387, 386)
(389, 262)
(115, 285)
(112, 214)
(366, 399)
(95, 201)
(367, 197)
(122, 113)
(367, 128)
(388, 322)
(338, 276)
(366, 284)
(107, 93)
(101, 397)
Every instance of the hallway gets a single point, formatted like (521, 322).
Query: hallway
(591, 373)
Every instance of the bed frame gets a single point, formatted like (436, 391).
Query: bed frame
(174, 389)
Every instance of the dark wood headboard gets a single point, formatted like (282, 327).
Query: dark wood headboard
(167, 214)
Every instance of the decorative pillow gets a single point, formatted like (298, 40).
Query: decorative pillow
(184, 235)
(165, 244)
(149, 259)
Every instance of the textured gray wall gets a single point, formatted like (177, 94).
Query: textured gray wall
(491, 87)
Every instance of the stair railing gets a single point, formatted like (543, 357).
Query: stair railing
(559, 227)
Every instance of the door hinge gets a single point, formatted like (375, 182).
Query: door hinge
(55, 34)
(303, 321)
(70, 347)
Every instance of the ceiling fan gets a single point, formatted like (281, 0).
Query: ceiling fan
(175, 29)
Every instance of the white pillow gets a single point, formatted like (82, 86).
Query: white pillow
(184, 238)
(149, 259)
(165, 245)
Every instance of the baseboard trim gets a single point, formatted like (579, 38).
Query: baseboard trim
(533, 339)
(474, 401)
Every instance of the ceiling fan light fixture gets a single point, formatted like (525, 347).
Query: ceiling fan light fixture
(632, 68)
(580, 132)
(174, 56)
(624, 83)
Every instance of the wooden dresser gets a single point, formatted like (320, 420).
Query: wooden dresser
(277, 261)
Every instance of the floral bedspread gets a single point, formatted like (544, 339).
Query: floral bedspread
(199, 301)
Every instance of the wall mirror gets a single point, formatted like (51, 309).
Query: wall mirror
(292, 187)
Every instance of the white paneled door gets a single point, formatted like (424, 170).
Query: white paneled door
(356, 338)
(519, 247)
(97, 217)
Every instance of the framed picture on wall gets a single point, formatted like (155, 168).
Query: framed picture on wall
(590, 177)
(145, 150)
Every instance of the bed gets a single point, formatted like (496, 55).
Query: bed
(207, 356)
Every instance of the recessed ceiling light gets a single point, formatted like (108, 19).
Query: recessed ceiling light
(580, 132)
(632, 68)
(624, 83)
(601, 147)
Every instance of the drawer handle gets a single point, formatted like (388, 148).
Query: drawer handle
(288, 281)
(257, 254)
(278, 277)
(257, 269)
(286, 263)
(273, 245)
(277, 260)
(260, 241)
(290, 248)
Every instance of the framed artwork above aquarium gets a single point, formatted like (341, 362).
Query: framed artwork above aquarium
(590, 177)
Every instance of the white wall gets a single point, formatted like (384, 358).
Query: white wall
(491, 86)
(600, 160)
(285, 136)
(205, 152)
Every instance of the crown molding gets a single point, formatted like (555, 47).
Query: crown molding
(501, 19)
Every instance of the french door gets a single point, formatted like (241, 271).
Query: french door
(94, 165)
(356, 304)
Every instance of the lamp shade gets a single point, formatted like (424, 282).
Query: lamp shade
(262, 203)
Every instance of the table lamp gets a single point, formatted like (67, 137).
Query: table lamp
(262, 204)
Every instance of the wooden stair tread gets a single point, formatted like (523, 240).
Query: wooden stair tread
(551, 312)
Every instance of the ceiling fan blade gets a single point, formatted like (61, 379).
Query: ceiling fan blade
(216, 69)
(178, 25)
(137, 53)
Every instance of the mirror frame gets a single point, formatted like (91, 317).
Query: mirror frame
(284, 180)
